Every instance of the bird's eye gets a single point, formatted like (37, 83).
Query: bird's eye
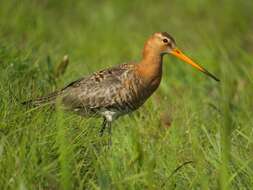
(165, 40)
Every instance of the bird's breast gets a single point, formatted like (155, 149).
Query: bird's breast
(135, 92)
(147, 89)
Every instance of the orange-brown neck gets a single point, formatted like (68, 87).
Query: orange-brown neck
(150, 67)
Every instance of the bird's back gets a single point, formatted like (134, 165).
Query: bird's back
(117, 90)
(102, 90)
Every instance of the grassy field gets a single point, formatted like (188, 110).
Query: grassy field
(189, 119)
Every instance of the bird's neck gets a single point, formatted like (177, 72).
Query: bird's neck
(150, 67)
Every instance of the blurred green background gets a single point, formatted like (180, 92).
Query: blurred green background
(189, 118)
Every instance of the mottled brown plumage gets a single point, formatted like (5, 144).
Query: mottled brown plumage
(119, 90)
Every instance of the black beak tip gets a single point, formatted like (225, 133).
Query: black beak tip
(215, 78)
(212, 76)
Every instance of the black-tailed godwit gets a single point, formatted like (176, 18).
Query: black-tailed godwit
(116, 91)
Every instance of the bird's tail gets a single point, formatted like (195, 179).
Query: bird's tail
(49, 99)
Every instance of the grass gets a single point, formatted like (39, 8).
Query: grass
(190, 118)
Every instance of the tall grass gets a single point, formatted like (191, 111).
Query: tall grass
(190, 119)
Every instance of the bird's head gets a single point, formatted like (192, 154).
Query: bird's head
(162, 43)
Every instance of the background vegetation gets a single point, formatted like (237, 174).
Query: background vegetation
(190, 117)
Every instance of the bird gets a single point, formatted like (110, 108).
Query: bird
(122, 89)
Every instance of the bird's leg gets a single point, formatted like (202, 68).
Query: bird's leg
(106, 124)
(109, 128)
(110, 132)
(101, 132)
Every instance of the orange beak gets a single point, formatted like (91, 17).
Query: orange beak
(176, 52)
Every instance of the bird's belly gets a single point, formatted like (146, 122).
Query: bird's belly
(109, 113)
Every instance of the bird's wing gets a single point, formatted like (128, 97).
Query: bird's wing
(97, 90)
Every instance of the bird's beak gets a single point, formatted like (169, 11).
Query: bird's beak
(176, 52)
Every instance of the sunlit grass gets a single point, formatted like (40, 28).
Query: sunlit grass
(189, 119)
